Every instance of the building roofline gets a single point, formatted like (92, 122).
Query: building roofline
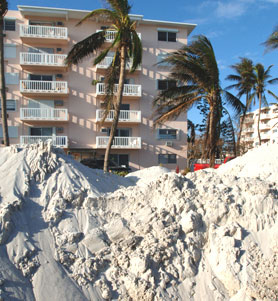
(67, 13)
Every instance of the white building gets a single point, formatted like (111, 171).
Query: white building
(268, 127)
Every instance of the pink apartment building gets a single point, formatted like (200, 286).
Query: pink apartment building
(47, 100)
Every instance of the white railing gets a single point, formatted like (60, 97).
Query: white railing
(120, 142)
(248, 120)
(42, 59)
(37, 86)
(248, 139)
(60, 141)
(43, 114)
(106, 62)
(129, 90)
(248, 130)
(264, 126)
(125, 116)
(110, 35)
(265, 116)
(37, 31)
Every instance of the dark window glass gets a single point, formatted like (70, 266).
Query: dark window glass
(167, 158)
(162, 36)
(167, 134)
(9, 25)
(172, 37)
(162, 85)
(166, 84)
(124, 107)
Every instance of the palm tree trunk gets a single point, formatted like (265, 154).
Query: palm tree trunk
(241, 125)
(259, 118)
(3, 86)
(116, 108)
(212, 134)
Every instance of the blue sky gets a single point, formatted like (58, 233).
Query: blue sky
(236, 28)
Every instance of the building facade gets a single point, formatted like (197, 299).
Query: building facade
(48, 100)
(268, 127)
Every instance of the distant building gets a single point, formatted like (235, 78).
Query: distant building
(268, 127)
(47, 100)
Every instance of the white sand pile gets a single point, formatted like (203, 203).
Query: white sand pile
(209, 236)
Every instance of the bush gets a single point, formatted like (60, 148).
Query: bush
(120, 173)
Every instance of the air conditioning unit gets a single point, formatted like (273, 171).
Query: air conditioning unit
(59, 75)
(169, 143)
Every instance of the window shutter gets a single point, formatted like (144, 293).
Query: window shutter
(157, 134)
(10, 51)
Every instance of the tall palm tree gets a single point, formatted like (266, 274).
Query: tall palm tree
(244, 79)
(272, 42)
(262, 78)
(3, 11)
(195, 68)
(127, 45)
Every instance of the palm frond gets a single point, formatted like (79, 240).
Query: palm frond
(85, 48)
(234, 102)
(120, 6)
(272, 42)
(136, 52)
(99, 12)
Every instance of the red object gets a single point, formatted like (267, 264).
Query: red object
(177, 169)
(198, 166)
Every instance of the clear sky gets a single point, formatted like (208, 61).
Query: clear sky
(236, 28)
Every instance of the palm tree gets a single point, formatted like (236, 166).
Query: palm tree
(272, 42)
(244, 79)
(262, 78)
(127, 45)
(195, 68)
(3, 11)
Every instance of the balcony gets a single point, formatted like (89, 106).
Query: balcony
(59, 141)
(248, 139)
(43, 34)
(120, 142)
(43, 88)
(264, 127)
(248, 130)
(43, 114)
(265, 116)
(248, 120)
(129, 90)
(125, 116)
(106, 62)
(111, 35)
(43, 61)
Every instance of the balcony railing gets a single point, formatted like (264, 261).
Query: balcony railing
(111, 35)
(125, 116)
(42, 59)
(120, 142)
(264, 127)
(265, 116)
(48, 32)
(43, 114)
(248, 120)
(248, 130)
(106, 62)
(59, 141)
(37, 86)
(129, 90)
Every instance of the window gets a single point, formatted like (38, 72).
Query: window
(120, 160)
(167, 134)
(167, 35)
(160, 58)
(12, 131)
(11, 105)
(9, 24)
(12, 78)
(167, 158)
(41, 131)
(9, 51)
(164, 84)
